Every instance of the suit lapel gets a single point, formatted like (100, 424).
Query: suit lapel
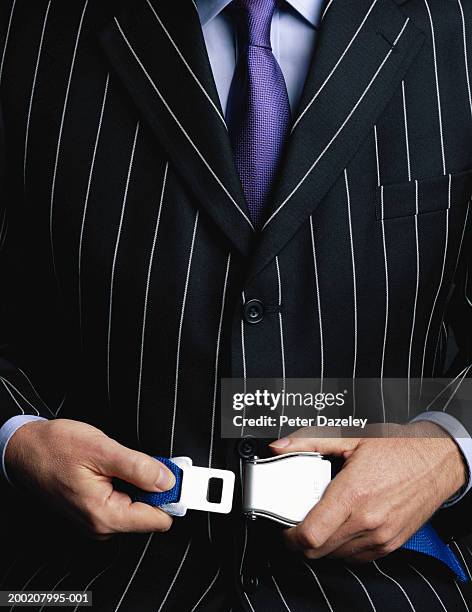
(363, 50)
(158, 51)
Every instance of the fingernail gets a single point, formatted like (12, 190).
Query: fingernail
(282, 443)
(165, 480)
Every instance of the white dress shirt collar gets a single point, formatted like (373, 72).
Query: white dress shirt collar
(308, 9)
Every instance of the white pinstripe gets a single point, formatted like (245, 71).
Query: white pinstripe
(243, 554)
(54, 588)
(9, 568)
(438, 94)
(29, 582)
(339, 130)
(430, 586)
(7, 38)
(175, 576)
(446, 388)
(179, 339)
(466, 285)
(354, 291)
(207, 590)
(135, 571)
(387, 304)
(413, 323)
(146, 298)
(453, 276)
(363, 588)
(34, 389)
(466, 280)
(249, 602)
(446, 405)
(179, 53)
(87, 195)
(115, 256)
(3, 227)
(281, 333)
(441, 280)
(377, 159)
(287, 607)
(33, 87)
(11, 395)
(396, 583)
(87, 587)
(59, 408)
(3, 234)
(407, 139)
(354, 278)
(335, 67)
(466, 59)
(243, 351)
(320, 587)
(174, 117)
(61, 129)
(318, 300)
(326, 9)
(217, 359)
(10, 384)
(462, 596)
(463, 559)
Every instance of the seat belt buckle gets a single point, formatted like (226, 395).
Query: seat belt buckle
(202, 488)
(284, 488)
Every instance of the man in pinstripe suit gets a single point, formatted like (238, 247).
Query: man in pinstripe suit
(138, 269)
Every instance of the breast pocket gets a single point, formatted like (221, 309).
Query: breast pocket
(425, 196)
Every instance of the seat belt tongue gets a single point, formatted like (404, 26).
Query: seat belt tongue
(196, 489)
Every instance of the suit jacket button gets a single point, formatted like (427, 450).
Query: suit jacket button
(253, 312)
(247, 448)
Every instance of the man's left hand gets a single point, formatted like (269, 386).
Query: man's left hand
(387, 489)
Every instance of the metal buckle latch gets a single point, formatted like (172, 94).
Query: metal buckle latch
(284, 488)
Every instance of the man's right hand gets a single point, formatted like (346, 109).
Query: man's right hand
(72, 464)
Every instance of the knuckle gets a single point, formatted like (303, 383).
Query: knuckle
(309, 554)
(388, 547)
(382, 536)
(140, 468)
(370, 520)
(164, 524)
(308, 538)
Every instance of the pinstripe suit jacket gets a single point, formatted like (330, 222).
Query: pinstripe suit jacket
(127, 253)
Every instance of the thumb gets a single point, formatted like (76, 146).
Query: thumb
(313, 439)
(137, 468)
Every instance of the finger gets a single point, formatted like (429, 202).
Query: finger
(124, 516)
(342, 540)
(137, 468)
(367, 547)
(324, 520)
(311, 439)
(354, 547)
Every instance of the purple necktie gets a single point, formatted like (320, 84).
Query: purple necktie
(258, 112)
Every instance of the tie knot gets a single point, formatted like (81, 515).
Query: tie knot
(254, 20)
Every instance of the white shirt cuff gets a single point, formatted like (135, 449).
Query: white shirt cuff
(6, 432)
(462, 438)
